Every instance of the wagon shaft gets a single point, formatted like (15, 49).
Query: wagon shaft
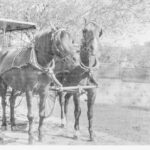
(72, 88)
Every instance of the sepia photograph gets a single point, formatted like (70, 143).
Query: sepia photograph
(74, 72)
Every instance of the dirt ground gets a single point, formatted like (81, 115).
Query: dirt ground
(113, 125)
(130, 124)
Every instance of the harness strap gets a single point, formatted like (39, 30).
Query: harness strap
(34, 62)
(84, 67)
(48, 70)
(89, 70)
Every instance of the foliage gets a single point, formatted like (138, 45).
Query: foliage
(120, 20)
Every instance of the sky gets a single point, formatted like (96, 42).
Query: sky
(134, 34)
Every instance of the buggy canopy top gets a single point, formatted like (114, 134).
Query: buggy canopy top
(8, 25)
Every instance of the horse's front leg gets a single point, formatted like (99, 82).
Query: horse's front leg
(12, 112)
(30, 116)
(42, 113)
(77, 113)
(1, 138)
(90, 104)
(61, 102)
(67, 97)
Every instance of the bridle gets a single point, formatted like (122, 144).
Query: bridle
(87, 69)
(82, 65)
(63, 57)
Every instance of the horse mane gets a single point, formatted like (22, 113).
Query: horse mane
(60, 33)
(43, 32)
(43, 40)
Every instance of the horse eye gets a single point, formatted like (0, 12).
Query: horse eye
(91, 47)
(84, 30)
(88, 49)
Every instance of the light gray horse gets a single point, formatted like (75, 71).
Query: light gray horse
(83, 75)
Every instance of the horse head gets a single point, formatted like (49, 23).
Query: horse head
(54, 43)
(63, 46)
(90, 45)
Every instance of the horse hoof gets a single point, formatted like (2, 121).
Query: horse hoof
(62, 126)
(31, 141)
(1, 140)
(3, 128)
(92, 139)
(40, 138)
(75, 137)
(76, 134)
(63, 123)
(13, 128)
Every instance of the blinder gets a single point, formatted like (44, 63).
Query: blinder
(56, 47)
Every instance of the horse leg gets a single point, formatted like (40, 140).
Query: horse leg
(12, 113)
(30, 116)
(1, 138)
(90, 104)
(67, 97)
(61, 102)
(4, 124)
(77, 113)
(3, 102)
(41, 114)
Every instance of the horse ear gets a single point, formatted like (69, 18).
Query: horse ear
(100, 33)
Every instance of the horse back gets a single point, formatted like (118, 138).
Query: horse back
(14, 57)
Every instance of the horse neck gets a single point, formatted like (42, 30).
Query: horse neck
(84, 57)
(43, 53)
(43, 58)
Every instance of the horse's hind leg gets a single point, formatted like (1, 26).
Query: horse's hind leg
(77, 113)
(30, 116)
(4, 124)
(3, 102)
(90, 104)
(12, 113)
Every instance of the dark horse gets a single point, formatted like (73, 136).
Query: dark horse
(30, 71)
(83, 74)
